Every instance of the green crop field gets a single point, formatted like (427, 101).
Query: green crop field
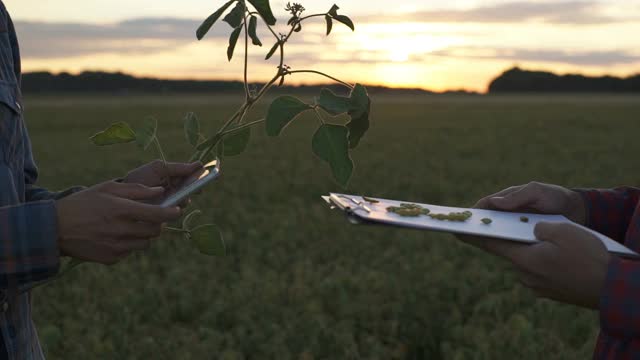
(299, 281)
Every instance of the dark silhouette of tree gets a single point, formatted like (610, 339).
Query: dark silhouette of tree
(516, 80)
(119, 83)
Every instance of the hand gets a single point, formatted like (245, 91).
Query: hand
(156, 173)
(568, 265)
(537, 198)
(107, 222)
(534, 198)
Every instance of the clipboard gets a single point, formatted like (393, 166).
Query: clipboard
(504, 225)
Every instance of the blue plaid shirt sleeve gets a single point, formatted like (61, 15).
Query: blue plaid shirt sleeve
(29, 238)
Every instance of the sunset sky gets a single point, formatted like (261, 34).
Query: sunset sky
(436, 45)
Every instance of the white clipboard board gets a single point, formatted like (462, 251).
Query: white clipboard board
(504, 225)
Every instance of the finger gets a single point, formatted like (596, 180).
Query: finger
(519, 199)
(175, 169)
(484, 203)
(133, 191)
(138, 230)
(566, 234)
(153, 214)
(183, 169)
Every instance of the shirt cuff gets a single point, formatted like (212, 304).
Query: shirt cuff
(620, 299)
(587, 206)
(33, 254)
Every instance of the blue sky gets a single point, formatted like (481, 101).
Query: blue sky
(429, 44)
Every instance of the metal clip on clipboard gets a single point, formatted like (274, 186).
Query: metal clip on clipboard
(349, 205)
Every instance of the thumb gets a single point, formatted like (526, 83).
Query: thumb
(567, 234)
(133, 191)
(515, 200)
(182, 169)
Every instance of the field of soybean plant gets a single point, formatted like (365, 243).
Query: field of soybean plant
(299, 282)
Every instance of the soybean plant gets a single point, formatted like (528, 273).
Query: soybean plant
(342, 120)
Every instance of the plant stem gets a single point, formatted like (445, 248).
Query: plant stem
(265, 22)
(246, 55)
(322, 122)
(310, 16)
(182, 231)
(167, 179)
(243, 126)
(250, 101)
(322, 74)
(238, 115)
(159, 147)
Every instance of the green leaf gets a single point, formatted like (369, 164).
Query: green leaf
(330, 143)
(332, 103)
(208, 23)
(334, 10)
(192, 129)
(208, 240)
(235, 16)
(118, 133)
(359, 110)
(282, 111)
(236, 143)
(264, 9)
(207, 143)
(329, 24)
(345, 20)
(146, 133)
(187, 219)
(233, 40)
(253, 26)
(359, 100)
(272, 51)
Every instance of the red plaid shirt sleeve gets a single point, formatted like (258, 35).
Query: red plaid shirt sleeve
(614, 213)
(619, 303)
(610, 211)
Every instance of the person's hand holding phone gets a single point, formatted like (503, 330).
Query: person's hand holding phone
(170, 175)
(107, 222)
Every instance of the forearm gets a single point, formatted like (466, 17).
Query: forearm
(610, 211)
(29, 238)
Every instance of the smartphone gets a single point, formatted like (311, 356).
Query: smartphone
(192, 184)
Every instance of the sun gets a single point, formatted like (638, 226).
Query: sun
(402, 43)
(400, 55)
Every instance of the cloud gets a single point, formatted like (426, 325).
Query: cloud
(581, 58)
(56, 40)
(41, 40)
(557, 12)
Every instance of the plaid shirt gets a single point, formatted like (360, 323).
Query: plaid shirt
(616, 213)
(28, 218)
